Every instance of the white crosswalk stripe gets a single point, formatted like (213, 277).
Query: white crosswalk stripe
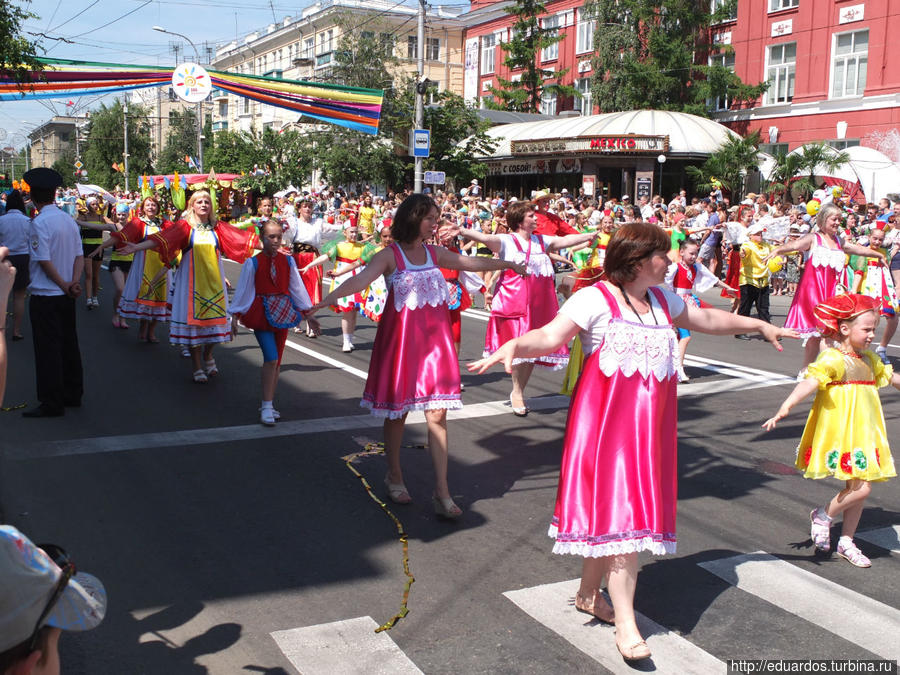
(842, 611)
(885, 537)
(552, 605)
(350, 647)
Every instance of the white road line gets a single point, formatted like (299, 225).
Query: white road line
(327, 359)
(350, 647)
(885, 537)
(249, 432)
(844, 612)
(553, 606)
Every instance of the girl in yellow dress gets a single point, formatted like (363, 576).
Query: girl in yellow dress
(844, 435)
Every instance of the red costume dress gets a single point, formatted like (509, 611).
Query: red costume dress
(552, 225)
(200, 303)
(141, 298)
(414, 364)
(459, 301)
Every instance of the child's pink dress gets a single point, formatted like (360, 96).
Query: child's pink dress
(414, 364)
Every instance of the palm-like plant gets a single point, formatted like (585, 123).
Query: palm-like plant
(728, 165)
(795, 172)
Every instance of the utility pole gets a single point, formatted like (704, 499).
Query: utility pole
(126, 144)
(418, 177)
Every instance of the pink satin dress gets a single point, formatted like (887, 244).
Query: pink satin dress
(539, 288)
(824, 270)
(414, 364)
(618, 483)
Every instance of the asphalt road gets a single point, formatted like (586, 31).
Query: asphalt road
(227, 547)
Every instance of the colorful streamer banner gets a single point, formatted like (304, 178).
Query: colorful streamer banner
(351, 107)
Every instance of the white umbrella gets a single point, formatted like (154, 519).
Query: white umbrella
(85, 189)
(872, 170)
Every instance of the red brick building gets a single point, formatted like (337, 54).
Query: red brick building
(832, 77)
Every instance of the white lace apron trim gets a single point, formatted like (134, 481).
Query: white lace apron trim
(418, 287)
(821, 256)
(647, 350)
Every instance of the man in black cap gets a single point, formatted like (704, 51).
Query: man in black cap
(57, 261)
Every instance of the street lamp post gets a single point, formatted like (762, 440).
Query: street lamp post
(199, 103)
(662, 160)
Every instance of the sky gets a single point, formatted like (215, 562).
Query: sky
(121, 31)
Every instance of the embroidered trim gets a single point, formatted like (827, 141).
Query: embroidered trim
(631, 348)
(837, 384)
(822, 256)
(416, 288)
(396, 411)
(612, 544)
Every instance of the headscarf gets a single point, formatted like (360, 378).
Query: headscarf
(843, 307)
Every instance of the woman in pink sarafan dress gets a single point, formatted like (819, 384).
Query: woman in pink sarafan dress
(414, 364)
(824, 271)
(522, 304)
(618, 482)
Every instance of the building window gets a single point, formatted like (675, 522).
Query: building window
(550, 27)
(776, 5)
(368, 35)
(780, 72)
(309, 46)
(584, 104)
(773, 148)
(245, 106)
(584, 41)
(488, 52)
(325, 38)
(433, 95)
(548, 103)
(715, 5)
(486, 101)
(848, 64)
(432, 49)
(220, 126)
(277, 74)
(726, 61)
(223, 108)
(412, 47)
(844, 143)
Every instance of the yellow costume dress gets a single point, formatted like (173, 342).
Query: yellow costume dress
(844, 435)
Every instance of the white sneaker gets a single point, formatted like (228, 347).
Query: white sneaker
(275, 413)
(95, 301)
(348, 346)
(267, 417)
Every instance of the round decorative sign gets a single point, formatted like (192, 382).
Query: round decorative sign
(191, 82)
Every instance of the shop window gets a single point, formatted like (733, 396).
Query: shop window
(548, 103)
(778, 5)
(585, 104)
(720, 102)
(488, 52)
(550, 27)
(584, 41)
(780, 72)
(850, 57)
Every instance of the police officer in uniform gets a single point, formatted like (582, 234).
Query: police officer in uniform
(56, 265)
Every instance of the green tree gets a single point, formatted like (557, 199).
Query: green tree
(727, 167)
(345, 156)
(795, 172)
(457, 134)
(650, 54)
(65, 166)
(231, 151)
(522, 52)
(18, 55)
(105, 144)
(285, 156)
(181, 140)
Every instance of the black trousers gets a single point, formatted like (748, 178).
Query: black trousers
(753, 295)
(57, 359)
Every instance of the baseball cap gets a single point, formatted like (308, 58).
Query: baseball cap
(28, 580)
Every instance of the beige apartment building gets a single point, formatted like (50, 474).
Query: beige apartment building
(303, 48)
(52, 139)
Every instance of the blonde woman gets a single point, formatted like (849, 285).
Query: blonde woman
(200, 316)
